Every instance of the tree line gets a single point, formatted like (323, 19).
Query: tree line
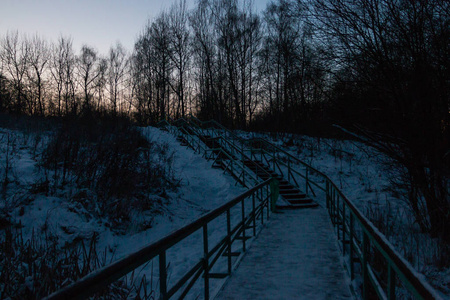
(378, 68)
(221, 60)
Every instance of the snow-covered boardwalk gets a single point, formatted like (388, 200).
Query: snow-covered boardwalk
(294, 257)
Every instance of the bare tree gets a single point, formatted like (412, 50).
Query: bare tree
(62, 70)
(100, 83)
(153, 69)
(209, 73)
(88, 72)
(226, 39)
(394, 55)
(160, 40)
(14, 56)
(180, 54)
(38, 58)
(117, 65)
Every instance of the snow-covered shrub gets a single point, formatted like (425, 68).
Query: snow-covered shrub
(34, 268)
(112, 159)
(9, 143)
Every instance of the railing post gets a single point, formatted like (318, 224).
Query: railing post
(232, 172)
(269, 193)
(338, 217)
(352, 267)
(254, 214)
(229, 240)
(261, 199)
(243, 223)
(273, 160)
(274, 192)
(307, 180)
(206, 260)
(333, 201)
(289, 169)
(162, 276)
(328, 195)
(343, 227)
(365, 275)
(391, 283)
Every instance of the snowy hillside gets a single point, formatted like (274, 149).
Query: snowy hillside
(368, 179)
(38, 215)
(61, 217)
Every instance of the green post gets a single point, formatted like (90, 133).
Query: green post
(307, 181)
(289, 169)
(328, 195)
(391, 283)
(365, 273)
(274, 192)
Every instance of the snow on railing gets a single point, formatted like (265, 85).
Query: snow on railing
(257, 198)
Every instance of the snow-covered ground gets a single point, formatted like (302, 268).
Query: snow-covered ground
(201, 189)
(295, 257)
(364, 176)
(361, 174)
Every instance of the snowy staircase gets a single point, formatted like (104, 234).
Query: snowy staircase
(292, 196)
(223, 157)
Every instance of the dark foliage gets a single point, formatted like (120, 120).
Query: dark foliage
(110, 157)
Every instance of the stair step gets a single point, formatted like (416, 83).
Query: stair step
(300, 201)
(286, 187)
(290, 191)
(298, 206)
(293, 196)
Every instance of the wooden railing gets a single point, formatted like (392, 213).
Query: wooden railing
(382, 269)
(252, 206)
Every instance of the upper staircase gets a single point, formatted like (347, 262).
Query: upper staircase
(247, 161)
(292, 196)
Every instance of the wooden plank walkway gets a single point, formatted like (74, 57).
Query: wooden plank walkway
(294, 257)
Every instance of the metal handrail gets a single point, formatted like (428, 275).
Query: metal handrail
(95, 281)
(345, 217)
(240, 151)
(218, 151)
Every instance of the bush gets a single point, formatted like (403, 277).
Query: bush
(111, 158)
(37, 267)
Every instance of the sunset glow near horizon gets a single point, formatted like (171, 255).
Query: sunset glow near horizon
(96, 23)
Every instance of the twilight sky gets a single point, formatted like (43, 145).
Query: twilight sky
(97, 23)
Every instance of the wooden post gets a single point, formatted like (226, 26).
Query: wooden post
(327, 192)
(306, 181)
(365, 253)
(162, 276)
(391, 283)
(206, 260)
(274, 193)
(254, 214)
(229, 240)
(352, 267)
(343, 228)
(243, 224)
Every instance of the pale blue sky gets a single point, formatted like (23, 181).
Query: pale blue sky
(97, 23)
